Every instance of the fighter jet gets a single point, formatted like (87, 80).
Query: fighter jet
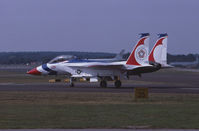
(103, 71)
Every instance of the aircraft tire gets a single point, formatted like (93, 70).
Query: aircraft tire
(118, 83)
(71, 84)
(103, 84)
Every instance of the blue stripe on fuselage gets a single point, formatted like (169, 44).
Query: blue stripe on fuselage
(51, 72)
(45, 67)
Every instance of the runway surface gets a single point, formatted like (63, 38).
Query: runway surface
(165, 81)
(92, 87)
(99, 130)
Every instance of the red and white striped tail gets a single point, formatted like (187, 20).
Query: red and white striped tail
(158, 53)
(139, 55)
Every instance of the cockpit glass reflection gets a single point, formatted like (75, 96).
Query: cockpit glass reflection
(62, 58)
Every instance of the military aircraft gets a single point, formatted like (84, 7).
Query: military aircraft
(103, 71)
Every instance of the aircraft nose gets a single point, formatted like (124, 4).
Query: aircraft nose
(34, 72)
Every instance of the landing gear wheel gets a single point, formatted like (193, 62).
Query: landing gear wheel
(71, 84)
(103, 84)
(118, 83)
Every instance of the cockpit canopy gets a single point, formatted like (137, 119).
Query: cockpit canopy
(62, 58)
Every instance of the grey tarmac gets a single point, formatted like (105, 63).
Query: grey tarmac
(166, 81)
(93, 87)
(99, 130)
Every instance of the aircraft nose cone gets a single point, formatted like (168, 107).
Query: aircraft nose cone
(34, 72)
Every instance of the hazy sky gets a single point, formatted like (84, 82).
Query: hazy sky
(97, 25)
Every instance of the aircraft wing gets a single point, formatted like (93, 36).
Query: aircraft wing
(132, 70)
(101, 65)
(118, 67)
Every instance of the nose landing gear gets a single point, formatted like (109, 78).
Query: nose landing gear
(71, 82)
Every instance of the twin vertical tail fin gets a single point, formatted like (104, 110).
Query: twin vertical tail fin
(139, 55)
(158, 53)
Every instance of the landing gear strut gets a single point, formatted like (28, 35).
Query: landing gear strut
(103, 84)
(118, 83)
(71, 82)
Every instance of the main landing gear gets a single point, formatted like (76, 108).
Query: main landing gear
(117, 83)
(103, 84)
